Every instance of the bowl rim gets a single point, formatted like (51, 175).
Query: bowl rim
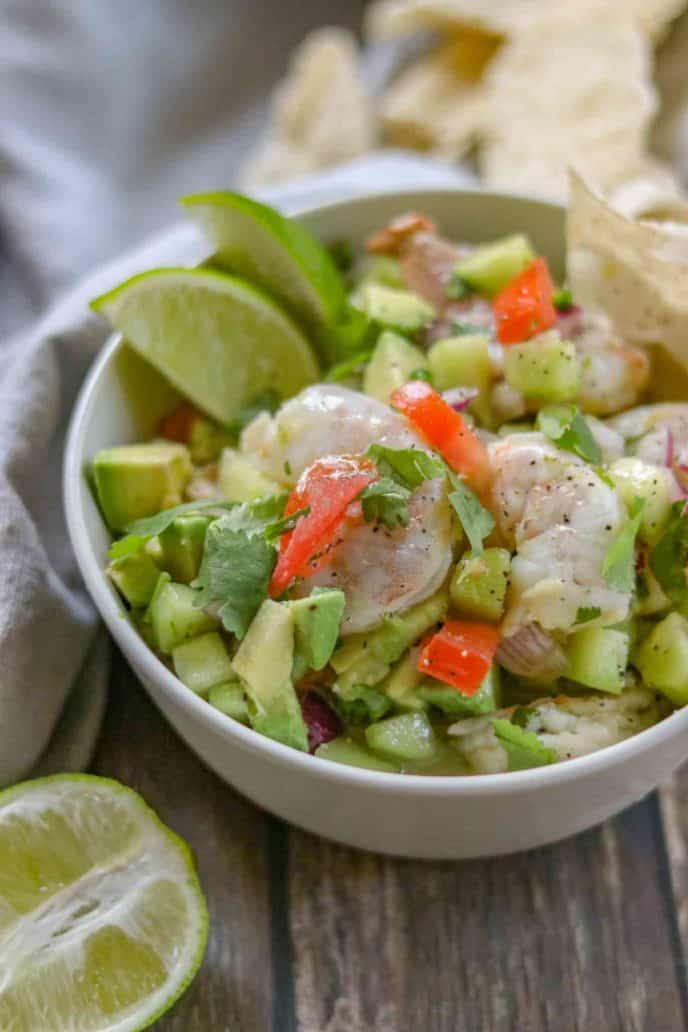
(199, 710)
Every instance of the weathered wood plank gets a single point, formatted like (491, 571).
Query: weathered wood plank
(233, 992)
(673, 800)
(577, 937)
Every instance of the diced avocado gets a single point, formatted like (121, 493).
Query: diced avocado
(181, 546)
(137, 480)
(657, 486)
(202, 662)
(367, 658)
(463, 361)
(598, 657)
(662, 658)
(264, 662)
(240, 481)
(487, 699)
(392, 308)
(135, 577)
(230, 698)
(490, 267)
(173, 616)
(379, 269)
(403, 681)
(316, 629)
(479, 584)
(206, 440)
(391, 365)
(351, 754)
(545, 368)
(361, 704)
(408, 736)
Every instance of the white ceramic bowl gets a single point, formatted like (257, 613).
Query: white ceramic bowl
(439, 817)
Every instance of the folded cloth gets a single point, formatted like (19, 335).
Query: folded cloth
(52, 669)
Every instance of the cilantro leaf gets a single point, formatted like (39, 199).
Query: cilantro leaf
(149, 526)
(618, 566)
(267, 401)
(274, 531)
(476, 521)
(235, 571)
(409, 467)
(669, 557)
(565, 425)
(523, 748)
(422, 374)
(129, 545)
(349, 366)
(386, 501)
(587, 613)
(457, 288)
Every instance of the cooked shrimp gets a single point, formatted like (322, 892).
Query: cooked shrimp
(657, 434)
(613, 374)
(381, 571)
(561, 518)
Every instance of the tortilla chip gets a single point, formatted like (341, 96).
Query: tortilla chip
(437, 103)
(650, 192)
(636, 272)
(585, 99)
(321, 114)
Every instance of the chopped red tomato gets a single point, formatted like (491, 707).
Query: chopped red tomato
(444, 429)
(178, 425)
(326, 488)
(460, 654)
(524, 307)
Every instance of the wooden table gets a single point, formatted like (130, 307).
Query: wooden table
(586, 936)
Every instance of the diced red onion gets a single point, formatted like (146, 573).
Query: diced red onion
(459, 398)
(570, 321)
(322, 722)
(669, 450)
(531, 652)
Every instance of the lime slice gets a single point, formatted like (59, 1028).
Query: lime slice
(102, 920)
(220, 341)
(257, 242)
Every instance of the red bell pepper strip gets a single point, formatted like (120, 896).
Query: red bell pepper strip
(445, 430)
(460, 654)
(326, 488)
(524, 307)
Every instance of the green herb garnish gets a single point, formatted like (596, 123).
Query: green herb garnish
(523, 748)
(587, 613)
(409, 467)
(350, 366)
(618, 566)
(387, 502)
(566, 426)
(669, 557)
(475, 519)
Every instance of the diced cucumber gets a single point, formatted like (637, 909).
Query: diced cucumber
(137, 480)
(487, 699)
(380, 269)
(207, 439)
(598, 657)
(463, 361)
(490, 267)
(408, 736)
(650, 600)
(392, 308)
(202, 662)
(351, 754)
(135, 577)
(402, 683)
(173, 615)
(230, 698)
(391, 365)
(654, 484)
(662, 658)
(181, 546)
(479, 584)
(545, 368)
(240, 481)
(361, 704)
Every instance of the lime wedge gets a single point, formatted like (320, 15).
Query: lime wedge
(279, 254)
(102, 920)
(220, 341)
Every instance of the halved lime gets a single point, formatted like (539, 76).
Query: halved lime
(257, 242)
(102, 920)
(221, 341)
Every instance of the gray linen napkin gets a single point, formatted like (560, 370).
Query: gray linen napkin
(52, 668)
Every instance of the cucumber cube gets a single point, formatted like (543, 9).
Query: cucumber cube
(634, 478)
(662, 658)
(351, 754)
(240, 481)
(407, 737)
(463, 361)
(135, 577)
(229, 698)
(402, 683)
(486, 700)
(380, 269)
(181, 547)
(202, 662)
(545, 368)
(173, 616)
(490, 267)
(392, 308)
(137, 480)
(598, 657)
(391, 365)
(479, 584)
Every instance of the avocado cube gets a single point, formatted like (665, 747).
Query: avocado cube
(491, 266)
(181, 546)
(545, 368)
(662, 658)
(392, 364)
(361, 704)
(598, 657)
(408, 736)
(402, 683)
(345, 750)
(202, 662)
(229, 698)
(264, 662)
(173, 616)
(240, 481)
(392, 308)
(316, 629)
(137, 480)
(135, 577)
(487, 699)
(479, 584)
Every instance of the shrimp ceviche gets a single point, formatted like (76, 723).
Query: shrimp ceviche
(412, 510)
